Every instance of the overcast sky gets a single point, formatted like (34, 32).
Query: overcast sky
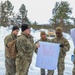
(39, 10)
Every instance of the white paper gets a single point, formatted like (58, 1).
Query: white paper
(47, 56)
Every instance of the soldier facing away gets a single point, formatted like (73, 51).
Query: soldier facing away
(10, 60)
(25, 47)
(64, 47)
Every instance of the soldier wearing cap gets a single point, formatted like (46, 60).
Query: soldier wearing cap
(44, 39)
(25, 47)
(10, 60)
(64, 47)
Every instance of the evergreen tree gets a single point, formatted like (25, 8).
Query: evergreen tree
(6, 11)
(23, 13)
(1, 13)
(61, 13)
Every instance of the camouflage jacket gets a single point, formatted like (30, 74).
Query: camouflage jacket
(8, 38)
(66, 47)
(25, 46)
(47, 40)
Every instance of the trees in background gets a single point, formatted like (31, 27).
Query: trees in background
(7, 17)
(61, 13)
(6, 10)
(23, 13)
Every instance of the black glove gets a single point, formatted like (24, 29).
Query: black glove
(62, 45)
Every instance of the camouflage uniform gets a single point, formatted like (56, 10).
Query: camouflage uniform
(25, 48)
(47, 40)
(9, 62)
(62, 53)
(73, 72)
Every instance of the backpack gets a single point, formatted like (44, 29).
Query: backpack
(11, 49)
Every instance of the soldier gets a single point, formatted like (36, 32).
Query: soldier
(45, 39)
(10, 60)
(64, 47)
(25, 47)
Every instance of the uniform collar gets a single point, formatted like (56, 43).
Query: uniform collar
(44, 40)
(26, 35)
(14, 36)
(59, 37)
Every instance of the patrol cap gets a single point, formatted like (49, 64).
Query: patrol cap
(24, 27)
(42, 33)
(14, 28)
(59, 29)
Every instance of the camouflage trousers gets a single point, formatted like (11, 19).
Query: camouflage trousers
(10, 66)
(42, 71)
(50, 72)
(60, 68)
(22, 66)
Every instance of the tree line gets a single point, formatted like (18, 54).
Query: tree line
(61, 15)
(8, 17)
